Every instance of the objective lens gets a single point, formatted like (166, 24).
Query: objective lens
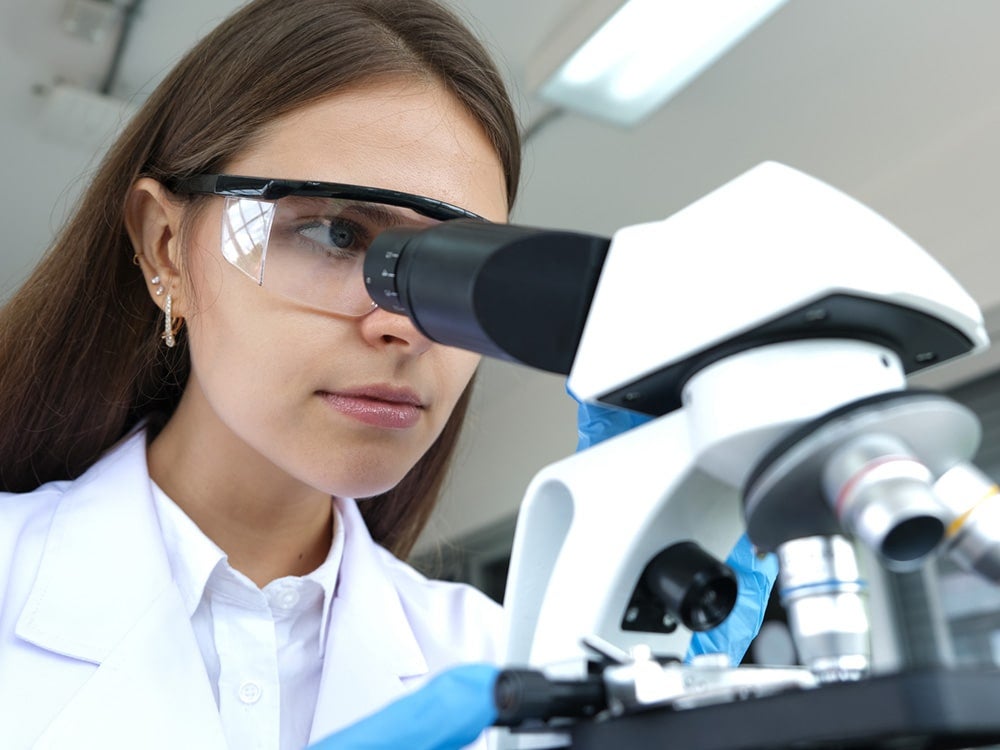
(824, 595)
(973, 536)
(884, 496)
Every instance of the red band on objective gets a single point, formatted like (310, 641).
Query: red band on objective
(850, 484)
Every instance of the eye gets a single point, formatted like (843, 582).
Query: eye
(342, 235)
(336, 236)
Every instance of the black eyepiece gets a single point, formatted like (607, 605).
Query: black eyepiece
(506, 291)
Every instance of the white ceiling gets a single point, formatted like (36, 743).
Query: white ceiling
(896, 102)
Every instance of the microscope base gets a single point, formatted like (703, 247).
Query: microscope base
(930, 710)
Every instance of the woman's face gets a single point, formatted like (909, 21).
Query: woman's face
(343, 405)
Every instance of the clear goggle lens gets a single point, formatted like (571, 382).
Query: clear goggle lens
(310, 250)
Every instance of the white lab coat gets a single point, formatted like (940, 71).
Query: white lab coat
(97, 651)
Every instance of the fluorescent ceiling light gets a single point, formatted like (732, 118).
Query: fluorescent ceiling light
(647, 51)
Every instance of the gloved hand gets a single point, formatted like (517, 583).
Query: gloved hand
(595, 424)
(447, 713)
(754, 574)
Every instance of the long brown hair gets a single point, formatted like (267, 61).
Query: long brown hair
(80, 358)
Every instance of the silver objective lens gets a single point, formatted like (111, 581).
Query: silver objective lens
(824, 596)
(883, 495)
(972, 539)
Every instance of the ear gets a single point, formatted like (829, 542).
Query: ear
(153, 222)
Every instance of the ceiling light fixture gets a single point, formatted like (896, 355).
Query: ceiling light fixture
(643, 52)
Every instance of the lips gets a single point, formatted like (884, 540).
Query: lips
(377, 405)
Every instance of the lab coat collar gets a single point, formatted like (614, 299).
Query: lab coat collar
(372, 651)
(150, 691)
(103, 594)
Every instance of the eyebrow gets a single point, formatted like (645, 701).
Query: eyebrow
(381, 214)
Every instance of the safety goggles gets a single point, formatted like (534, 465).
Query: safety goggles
(307, 240)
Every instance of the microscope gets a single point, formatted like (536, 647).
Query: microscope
(768, 330)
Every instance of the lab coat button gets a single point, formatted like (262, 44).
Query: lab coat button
(288, 598)
(250, 692)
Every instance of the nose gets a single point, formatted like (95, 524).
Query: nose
(381, 328)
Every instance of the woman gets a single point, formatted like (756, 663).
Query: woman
(194, 370)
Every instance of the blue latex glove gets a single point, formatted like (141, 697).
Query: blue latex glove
(595, 424)
(754, 575)
(447, 713)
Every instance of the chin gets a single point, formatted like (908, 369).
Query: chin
(345, 469)
(362, 484)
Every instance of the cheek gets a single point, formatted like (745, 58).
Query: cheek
(458, 367)
(202, 273)
(235, 348)
(212, 317)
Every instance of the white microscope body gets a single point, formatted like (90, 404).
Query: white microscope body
(768, 329)
(741, 318)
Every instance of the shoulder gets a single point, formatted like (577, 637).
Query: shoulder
(456, 613)
(25, 523)
(453, 622)
(432, 594)
(28, 519)
(25, 517)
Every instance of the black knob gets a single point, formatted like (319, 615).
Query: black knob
(693, 586)
(524, 694)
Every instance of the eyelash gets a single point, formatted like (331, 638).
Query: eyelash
(362, 235)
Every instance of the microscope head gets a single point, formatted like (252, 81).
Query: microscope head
(774, 255)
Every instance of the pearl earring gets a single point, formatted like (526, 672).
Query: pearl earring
(159, 289)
